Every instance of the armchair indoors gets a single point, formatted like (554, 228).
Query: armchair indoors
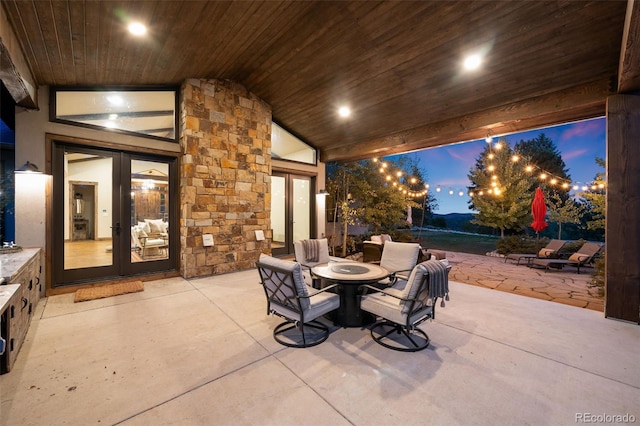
(147, 242)
(407, 304)
(289, 297)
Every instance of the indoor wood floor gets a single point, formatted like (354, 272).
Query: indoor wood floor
(91, 253)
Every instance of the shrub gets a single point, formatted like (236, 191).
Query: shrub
(597, 280)
(571, 247)
(520, 244)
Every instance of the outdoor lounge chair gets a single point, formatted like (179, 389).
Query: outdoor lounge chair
(289, 297)
(550, 251)
(407, 304)
(582, 257)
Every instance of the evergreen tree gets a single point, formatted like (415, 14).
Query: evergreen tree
(501, 190)
(543, 153)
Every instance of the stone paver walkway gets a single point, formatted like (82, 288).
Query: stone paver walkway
(565, 286)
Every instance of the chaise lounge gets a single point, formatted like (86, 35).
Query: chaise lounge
(550, 251)
(582, 257)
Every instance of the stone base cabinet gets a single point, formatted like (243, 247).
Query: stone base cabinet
(19, 296)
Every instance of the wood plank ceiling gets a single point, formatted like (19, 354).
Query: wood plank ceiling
(396, 64)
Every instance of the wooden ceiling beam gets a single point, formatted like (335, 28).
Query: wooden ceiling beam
(629, 71)
(573, 104)
(14, 71)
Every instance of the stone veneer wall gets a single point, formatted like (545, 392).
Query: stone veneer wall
(224, 177)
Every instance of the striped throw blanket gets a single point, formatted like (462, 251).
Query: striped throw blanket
(311, 250)
(438, 280)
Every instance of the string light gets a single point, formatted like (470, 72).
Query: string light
(495, 189)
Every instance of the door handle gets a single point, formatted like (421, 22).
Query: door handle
(117, 228)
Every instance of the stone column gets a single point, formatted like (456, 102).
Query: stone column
(224, 177)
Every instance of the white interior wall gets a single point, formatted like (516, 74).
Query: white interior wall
(98, 171)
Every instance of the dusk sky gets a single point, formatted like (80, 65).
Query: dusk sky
(579, 144)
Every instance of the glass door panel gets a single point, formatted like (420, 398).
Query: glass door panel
(291, 211)
(88, 209)
(149, 211)
(301, 208)
(85, 213)
(278, 212)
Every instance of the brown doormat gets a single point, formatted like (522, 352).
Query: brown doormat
(109, 290)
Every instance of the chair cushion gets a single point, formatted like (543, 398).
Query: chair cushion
(144, 226)
(298, 278)
(157, 226)
(323, 253)
(376, 239)
(578, 257)
(384, 306)
(545, 252)
(385, 237)
(399, 256)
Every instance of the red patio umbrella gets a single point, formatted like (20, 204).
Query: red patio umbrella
(538, 211)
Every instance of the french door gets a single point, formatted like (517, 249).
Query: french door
(292, 207)
(114, 214)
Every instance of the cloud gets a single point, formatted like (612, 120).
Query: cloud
(467, 153)
(568, 155)
(583, 129)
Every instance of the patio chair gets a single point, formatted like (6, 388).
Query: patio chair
(399, 259)
(371, 252)
(289, 297)
(552, 250)
(313, 252)
(582, 257)
(407, 304)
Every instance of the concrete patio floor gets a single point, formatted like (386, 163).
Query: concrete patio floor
(201, 352)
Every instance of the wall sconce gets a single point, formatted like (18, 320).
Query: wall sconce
(28, 167)
(323, 192)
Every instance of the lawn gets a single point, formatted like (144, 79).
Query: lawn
(456, 241)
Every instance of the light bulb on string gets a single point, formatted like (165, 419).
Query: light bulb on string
(489, 138)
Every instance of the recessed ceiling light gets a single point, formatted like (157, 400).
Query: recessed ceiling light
(137, 29)
(472, 62)
(344, 111)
